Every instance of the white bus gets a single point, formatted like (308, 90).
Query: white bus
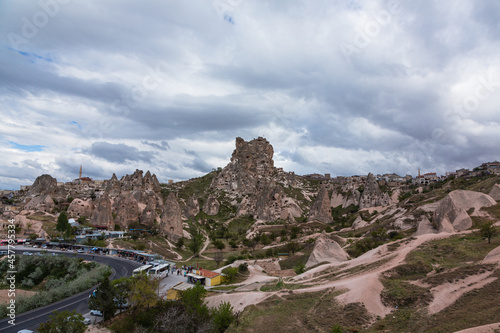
(160, 271)
(139, 270)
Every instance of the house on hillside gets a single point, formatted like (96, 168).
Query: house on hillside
(211, 278)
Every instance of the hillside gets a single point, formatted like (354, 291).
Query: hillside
(357, 253)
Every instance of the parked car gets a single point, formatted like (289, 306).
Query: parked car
(27, 253)
(96, 313)
(25, 331)
(87, 321)
(81, 251)
(35, 245)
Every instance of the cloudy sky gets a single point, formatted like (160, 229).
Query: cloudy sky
(341, 87)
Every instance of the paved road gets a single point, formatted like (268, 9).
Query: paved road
(30, 320)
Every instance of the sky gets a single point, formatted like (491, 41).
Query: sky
(340, 87)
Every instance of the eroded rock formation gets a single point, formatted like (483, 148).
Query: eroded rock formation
(326, 250)
(211, 206)
(321, 209)
(171, 221)
(451, 214)
(372, 196)
(252, 178)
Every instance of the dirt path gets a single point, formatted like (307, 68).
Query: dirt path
(447, 293)
(491, 328)
(363, 286)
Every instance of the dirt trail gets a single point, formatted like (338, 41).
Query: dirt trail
(362, 287)
(447, 293)
(490, 328)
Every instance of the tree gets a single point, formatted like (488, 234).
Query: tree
(488, 230)
(62, 223)
(223, 316)
(230, 272)
(193, 300)
(104, 298)
(144, 291)
(196, 240)
(63, 322)
(122, 289)
(233, 244)
(218, 257)
(292, 247)
(219, 245)
(265, 240)
(180, 243)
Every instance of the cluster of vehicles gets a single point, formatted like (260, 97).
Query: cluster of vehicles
(157, 269)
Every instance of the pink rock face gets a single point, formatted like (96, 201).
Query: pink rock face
(80, 207)
(495, 192)
(326, 250)
(252, 178)
(321, 209)
(171, 221)
(102, 215)
(211, 206)
(451, 214)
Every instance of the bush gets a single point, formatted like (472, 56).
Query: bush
(223, 316)
(300, 268)
(231, 273)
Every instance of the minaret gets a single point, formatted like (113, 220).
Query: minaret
(80, 176)
(418, 172)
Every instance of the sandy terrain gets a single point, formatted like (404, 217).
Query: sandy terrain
(493, 257)
(363, 287)
(491, 328)
(447, 293)
(239, 301)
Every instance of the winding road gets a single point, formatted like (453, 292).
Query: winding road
(31, 319)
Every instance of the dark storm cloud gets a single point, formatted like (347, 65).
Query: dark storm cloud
(163, 145)
(119, 153)
(184, 83)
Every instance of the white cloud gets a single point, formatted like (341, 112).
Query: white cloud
(131, 74)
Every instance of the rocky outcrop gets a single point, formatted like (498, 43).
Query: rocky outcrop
(251, 162)
(326, 250)
(495, 192)
(171, 221)
(151, 183)
(451, 214)
(321, 209)
(211, 206)
(272, 204)
(425, 227)
(372, 196)
(359, 223)
(126, 208)
(149, 213)
(113, 186)
(252, 179)
(43, 203)
(193, 207)
(44, 184)
(102, 215)
(345, 197)
(80, 207)
(336, 200)
(493, 257)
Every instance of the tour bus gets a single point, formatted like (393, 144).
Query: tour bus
(160, 271)
(139, 270)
